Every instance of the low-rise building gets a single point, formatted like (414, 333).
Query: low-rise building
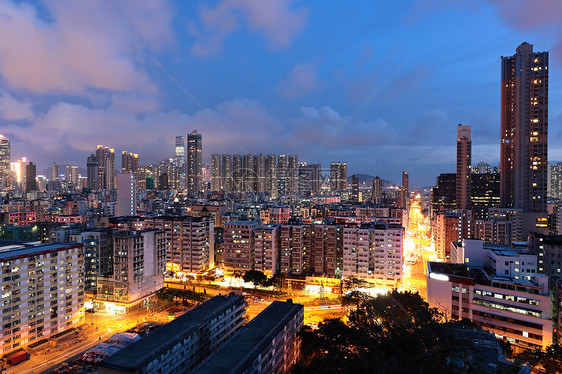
(517, 310)
(182, 343)
(268, 344)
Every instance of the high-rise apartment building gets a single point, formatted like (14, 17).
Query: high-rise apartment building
(310, 178)
(43, 292)
(266, 249)
(446, 230)
(106, 168)
(138, 269)
(5, 180)
(524, 129)
(464, 159)
(260, 172)
(373, 252)
(54, 172)
(237, 173)
(355, 188)
(98, 254)
(226, 173)
(484, 190)
(248, 173)
(404, 193)
(126, 204)
(238, 246)
(338, 176)
(194, 162)
(271, 174)
(314, 249)
(555, 180)
(92, 168)
(71, 175)
(130, 164)
(30, 175)
(179, 155)
(376, 191)
(189, 242)
(482, 168)
(216, 184)
(443, 195)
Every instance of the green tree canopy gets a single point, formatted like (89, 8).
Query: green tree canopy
(255, 276)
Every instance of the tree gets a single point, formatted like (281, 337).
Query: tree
(392, 333)
(351, 283)
(550, 359)
(255, 276)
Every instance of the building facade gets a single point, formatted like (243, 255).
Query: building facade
(178, 346)
(43, 292)
(194, 162)
(189, 243)
(138, 270)
(464, 159)
(524, 129)
(268, 344)
(373, 252)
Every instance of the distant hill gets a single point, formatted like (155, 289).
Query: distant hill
(367, 180)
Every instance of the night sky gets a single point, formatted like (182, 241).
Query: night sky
(382, 87)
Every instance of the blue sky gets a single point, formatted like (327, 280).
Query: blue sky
(381, 85)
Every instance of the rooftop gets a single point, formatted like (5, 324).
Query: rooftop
(448, 268)
(249, 341)
(13, 249)
(146, 349)
(243, 223)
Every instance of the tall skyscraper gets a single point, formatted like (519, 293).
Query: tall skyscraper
(54, 172)
(524, 129)
(126, 204)
(194, 162)
(271, 175)
(30, 175)
(293, 173)
(249, 174)
(260, 168)
(180, 151)
(464, 160)
(226, 173)
(355, 187)
(338, 176)
(215, 172)
(404, 193)
(376, 192)
(237, 173)
(92, 167)
(310, 178)
(5, 180)
(106, 169)
(555, 183)
(130, 164)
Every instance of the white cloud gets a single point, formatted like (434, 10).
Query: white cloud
(12, 109)
(83, 45)
(302, 79)
(277, 21)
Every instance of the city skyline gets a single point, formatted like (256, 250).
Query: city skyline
(375, 94)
